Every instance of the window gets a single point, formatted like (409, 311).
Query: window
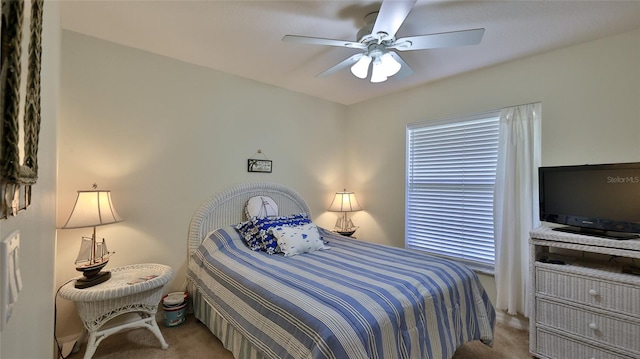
(451, 169)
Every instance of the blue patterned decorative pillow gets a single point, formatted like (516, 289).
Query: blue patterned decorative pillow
(264, 224)
(298, 239)
(249, 233)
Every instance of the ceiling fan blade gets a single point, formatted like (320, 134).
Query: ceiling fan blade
(321, 41)
(434, 41)
(405, 70)
(391, 16)
(342, 65)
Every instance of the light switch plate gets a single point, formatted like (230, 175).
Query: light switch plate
(10, 277)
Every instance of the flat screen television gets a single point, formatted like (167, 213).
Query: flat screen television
(601, 200)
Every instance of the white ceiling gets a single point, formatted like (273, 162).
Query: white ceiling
(244, 37)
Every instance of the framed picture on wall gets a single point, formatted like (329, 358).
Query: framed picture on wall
(254, 165)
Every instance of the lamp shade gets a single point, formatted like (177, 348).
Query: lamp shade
(390, 65)
(345, 202)
(361, 68)
(378, 71)
(92, 208)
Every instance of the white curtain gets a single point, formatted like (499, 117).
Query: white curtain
(516, 203)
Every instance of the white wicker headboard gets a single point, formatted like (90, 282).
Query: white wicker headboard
(227, 207)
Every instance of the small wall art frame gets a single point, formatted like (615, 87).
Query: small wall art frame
(256, 165)
(19, 102)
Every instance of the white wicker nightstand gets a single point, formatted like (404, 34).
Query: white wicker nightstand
(103, 302)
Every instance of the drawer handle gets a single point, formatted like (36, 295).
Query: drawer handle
(593, 326)
(593, 292)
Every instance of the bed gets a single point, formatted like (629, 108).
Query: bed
(349, 299)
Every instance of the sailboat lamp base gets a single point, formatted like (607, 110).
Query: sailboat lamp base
(86, 282)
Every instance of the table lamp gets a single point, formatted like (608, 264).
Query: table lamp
(92, 208)
(345, 202)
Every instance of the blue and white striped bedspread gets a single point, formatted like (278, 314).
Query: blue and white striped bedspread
(355, 300)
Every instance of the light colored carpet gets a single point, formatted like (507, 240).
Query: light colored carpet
(193, 340)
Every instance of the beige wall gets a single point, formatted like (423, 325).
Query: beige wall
(164, 135)
(29, 331)
(590, 97)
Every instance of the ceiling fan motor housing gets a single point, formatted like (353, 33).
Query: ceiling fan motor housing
(366, 37)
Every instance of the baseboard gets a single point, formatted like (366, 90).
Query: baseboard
(514, 321)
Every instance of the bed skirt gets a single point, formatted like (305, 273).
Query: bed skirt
(231, 339)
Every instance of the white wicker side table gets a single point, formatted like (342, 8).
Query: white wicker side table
(132, 289)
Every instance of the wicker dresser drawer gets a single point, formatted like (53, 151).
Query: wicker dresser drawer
(589, 307)
(553, 346)
(564, 282)
(614, 331)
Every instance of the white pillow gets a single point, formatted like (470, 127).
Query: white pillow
(261, 206)
(298, 239)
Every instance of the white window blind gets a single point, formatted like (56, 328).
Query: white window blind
(451, 168)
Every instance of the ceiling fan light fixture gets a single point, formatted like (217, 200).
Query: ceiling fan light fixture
(379, 45)
(361, 68)
(389, 64)
(378, 72)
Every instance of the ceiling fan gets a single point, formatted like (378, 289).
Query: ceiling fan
(379, 44)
